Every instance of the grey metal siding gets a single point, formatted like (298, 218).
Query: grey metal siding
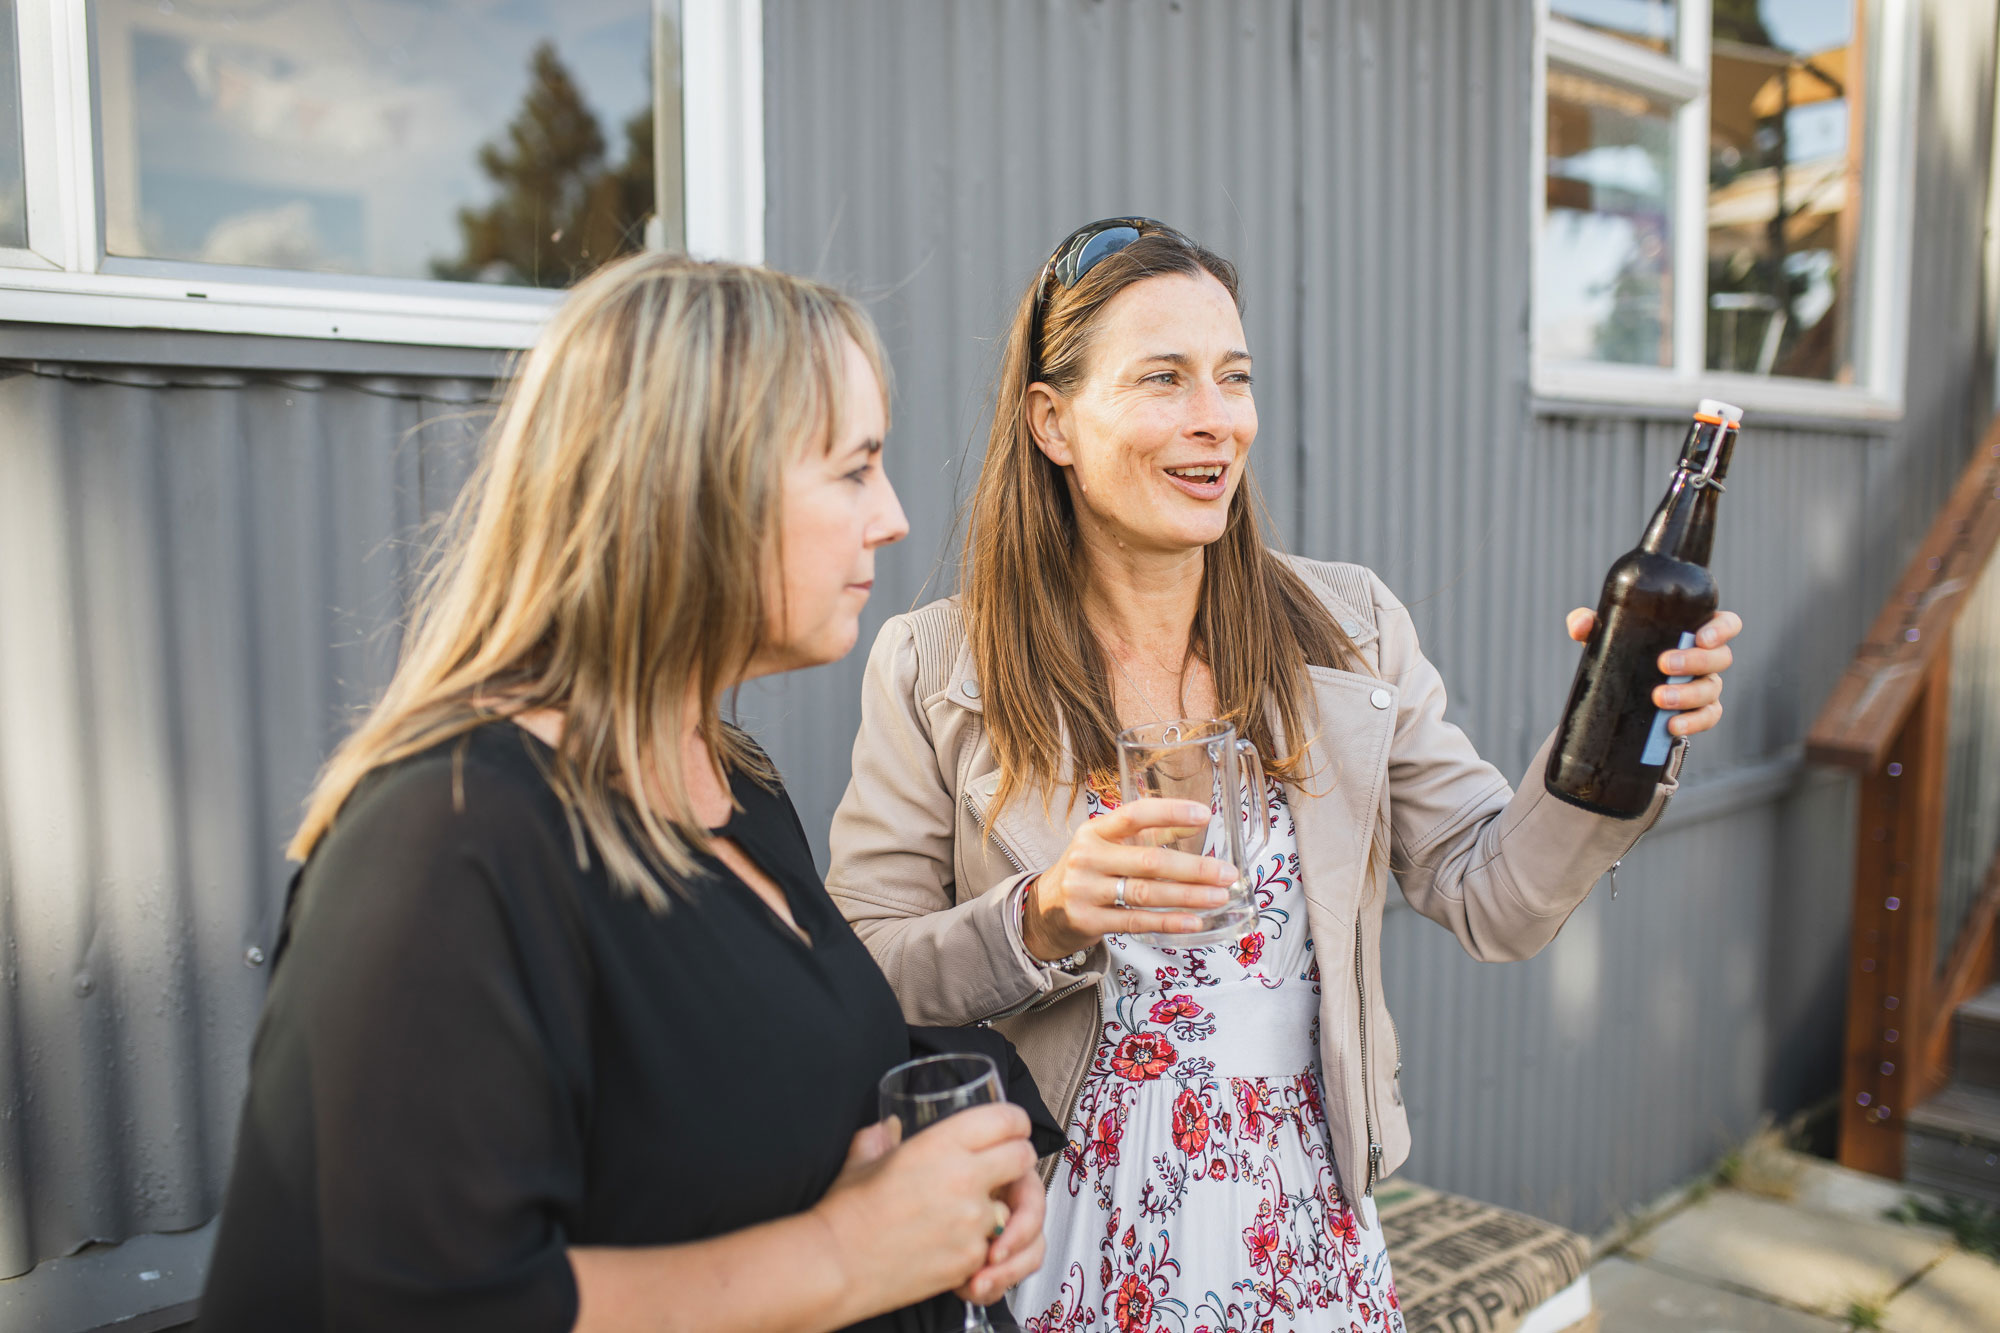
(1409, 356)
(200, 576)
(200, 571)
(1375, 181)
(929, 156)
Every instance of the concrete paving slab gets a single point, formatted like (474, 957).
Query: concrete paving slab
(1821, 1186)
(1960, 1295)
(1815, 1261)
(1638, 1298)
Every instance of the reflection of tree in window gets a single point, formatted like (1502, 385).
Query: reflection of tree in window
(1783, 195)
(560, 211)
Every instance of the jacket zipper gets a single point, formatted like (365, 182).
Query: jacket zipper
(972, 809)
(1396, 1078)
(1076, 1093)
(1367, 1072)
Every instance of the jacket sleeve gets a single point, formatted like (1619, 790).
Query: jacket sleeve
(1502, 869)
(892, 859)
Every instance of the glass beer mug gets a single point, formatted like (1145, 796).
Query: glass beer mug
(1204, 761)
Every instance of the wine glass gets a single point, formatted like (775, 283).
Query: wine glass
(919, 1093)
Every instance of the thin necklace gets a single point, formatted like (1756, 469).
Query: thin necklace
(1144, 697)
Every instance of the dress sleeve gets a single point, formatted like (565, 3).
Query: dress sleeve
(419, 1086)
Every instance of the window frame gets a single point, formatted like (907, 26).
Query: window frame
(65, 276)
(1888, 172)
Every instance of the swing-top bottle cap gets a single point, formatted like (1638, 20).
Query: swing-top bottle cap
(1714, 409)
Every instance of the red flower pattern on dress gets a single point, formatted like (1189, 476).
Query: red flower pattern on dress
(1261, 1237)
(1175, 1130)
(1190, 1124)
(1250, 1107)
(1104, 1143)
(1135, 1304)
(1143, 1056)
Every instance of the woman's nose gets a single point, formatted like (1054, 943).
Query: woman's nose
(890, 524)
(1208, 413)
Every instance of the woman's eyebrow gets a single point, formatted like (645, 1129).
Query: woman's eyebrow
(1182, 360)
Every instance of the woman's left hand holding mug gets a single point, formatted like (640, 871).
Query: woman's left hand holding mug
(1075, 902)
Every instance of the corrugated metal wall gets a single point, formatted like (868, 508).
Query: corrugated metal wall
(1368, 160)
(196, 571)
(199, 578)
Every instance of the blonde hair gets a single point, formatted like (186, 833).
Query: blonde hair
(609, 556)
(1044, 681)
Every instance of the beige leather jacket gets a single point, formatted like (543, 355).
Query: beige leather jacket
(928, 879)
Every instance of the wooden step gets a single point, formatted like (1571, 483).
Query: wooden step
(1976, 1040)
(1953, 1143)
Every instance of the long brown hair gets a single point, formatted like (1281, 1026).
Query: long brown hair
(1045, 687)
(610, 551)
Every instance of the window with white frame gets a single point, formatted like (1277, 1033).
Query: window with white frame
(364, 168)
(1723, 201)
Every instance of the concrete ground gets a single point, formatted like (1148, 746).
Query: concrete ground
(1798, 1245)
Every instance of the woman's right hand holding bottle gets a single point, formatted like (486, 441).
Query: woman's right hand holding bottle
(1075, 902)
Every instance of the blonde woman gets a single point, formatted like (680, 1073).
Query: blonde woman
(1230, 1108)
(563, 1030)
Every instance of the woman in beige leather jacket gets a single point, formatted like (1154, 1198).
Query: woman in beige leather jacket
(1230, 1109)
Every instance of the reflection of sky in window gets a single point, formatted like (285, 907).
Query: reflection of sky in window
(1815, 131)
(1816, 267)
(1808, 25)
(1796, 25)
(1652, 19)
(1626, 168)
(344, 136)
(1582, 255)
(13, 191)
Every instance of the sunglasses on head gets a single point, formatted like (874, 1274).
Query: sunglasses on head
(1081, 251)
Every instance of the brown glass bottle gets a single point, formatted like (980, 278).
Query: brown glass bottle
(1613, 745)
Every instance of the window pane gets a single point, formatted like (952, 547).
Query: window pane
(1606, 284)
(13, 181)
(1650, 23)
(450, 139)
(1784, 196)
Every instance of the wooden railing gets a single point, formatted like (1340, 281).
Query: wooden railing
(1889, 720)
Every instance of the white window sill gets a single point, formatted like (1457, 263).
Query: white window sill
(505, 318)
(1633, 386)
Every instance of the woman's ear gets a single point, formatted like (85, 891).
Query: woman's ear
(1046, 424)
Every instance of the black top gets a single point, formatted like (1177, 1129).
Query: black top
(476, 1053)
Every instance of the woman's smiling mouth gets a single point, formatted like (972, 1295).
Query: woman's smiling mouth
(1203, 481)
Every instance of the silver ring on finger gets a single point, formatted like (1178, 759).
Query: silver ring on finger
(1119, 898)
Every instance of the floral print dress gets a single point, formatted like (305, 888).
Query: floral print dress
(1198, 1193)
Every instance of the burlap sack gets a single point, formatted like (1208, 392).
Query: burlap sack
(1462, 1266)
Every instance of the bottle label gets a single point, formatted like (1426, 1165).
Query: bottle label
(1659, 742)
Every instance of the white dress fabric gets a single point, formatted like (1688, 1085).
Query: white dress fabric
(1197, 1193)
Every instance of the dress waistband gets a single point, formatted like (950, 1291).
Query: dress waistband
(1244, 1029)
